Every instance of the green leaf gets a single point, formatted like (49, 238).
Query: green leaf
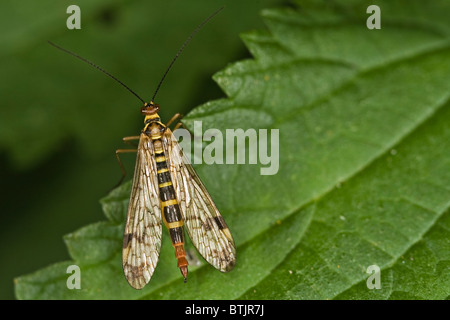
(363, 167)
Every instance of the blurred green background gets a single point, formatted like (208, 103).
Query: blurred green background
(61, 120)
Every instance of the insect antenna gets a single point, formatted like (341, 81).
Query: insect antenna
(183, 46)
(165, 73)
(99, 68)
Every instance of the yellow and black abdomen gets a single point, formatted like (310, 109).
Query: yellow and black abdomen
(170, 208)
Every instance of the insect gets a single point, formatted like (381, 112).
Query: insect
(166, 189)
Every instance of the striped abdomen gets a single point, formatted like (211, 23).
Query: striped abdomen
(170, 208)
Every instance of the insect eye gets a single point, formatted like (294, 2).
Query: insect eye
(150, 108)
(144, 109)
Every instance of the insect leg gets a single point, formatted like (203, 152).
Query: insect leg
(178, 117)
(122, 168)
(179, 124)
(175, 117)
(132, 138)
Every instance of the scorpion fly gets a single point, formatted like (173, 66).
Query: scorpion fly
(166, 189)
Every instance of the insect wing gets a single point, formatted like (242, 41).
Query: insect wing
(205, 225)
(143, 230)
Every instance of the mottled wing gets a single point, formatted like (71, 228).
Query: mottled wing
(205, 225)
(142, 236)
